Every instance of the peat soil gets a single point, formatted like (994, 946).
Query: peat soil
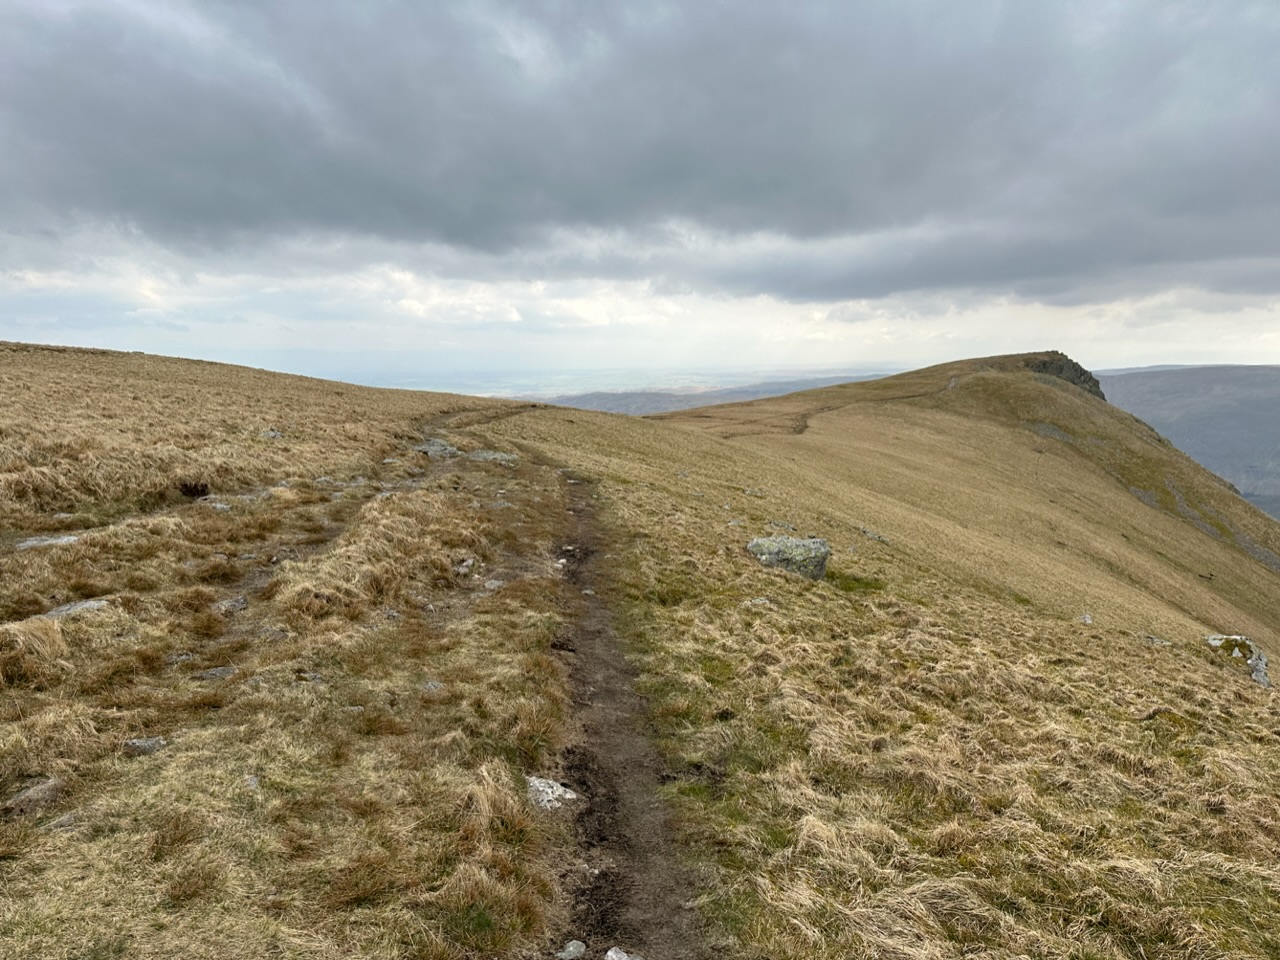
(638, 894)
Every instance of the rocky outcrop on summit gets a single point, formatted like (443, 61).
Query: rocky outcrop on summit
(1058, 364)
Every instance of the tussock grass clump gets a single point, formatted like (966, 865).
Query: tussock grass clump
(31, 651)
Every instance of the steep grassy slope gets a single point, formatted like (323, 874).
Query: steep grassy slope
(1225, 417)
(994, 730)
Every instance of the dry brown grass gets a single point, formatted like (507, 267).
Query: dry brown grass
(355, 785)
(927, 755)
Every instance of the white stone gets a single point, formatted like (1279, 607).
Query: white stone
(547, 794)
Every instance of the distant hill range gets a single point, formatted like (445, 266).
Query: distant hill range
(642, 402)
(1226, 417)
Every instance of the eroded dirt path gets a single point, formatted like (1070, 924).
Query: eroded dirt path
(631, 889)
(639, 895)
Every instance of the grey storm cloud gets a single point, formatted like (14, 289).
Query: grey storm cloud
(806, 150)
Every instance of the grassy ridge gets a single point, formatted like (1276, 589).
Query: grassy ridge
(941, 758)
(931, 753)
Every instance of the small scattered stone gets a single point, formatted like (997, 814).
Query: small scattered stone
(493, 584)
(247, 556)
(493, 456)
(807, 557)
(588, 593)
(781, 525)
(179, 656)
(80, 606)
(735, 523)
(143, 746)
(752, 493)
(306, 676)
(34, 799)
(463, 568)
(547, 794)
(572, 950)
(431, 686)
(33, 542)
(217, 505)
(392, 614)
(225, 608)
(1086, 619)
(872, 535)
(1157, 641)
(757, 602)
(252, 782)
(271, 435)
(502, 505)
(214, 673)
(390, 460)
(617, 953)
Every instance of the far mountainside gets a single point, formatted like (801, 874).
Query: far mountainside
(641, 402)
(301, 669)
(1225, 417)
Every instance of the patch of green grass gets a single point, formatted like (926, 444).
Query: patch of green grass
(852, 582)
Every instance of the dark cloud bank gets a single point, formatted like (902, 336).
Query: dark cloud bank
(813, 151)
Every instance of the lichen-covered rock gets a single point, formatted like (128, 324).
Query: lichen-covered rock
(807, 557)
(547, 794)
(1242, 648)
(143, 746)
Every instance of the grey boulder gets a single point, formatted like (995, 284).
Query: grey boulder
(807, 557)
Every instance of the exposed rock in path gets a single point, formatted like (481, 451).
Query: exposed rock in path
(1242, 648)
(572, 950)
(34, 799)
(32, 542)
(493, 456)
(806, 557)
(224, 608)
(438, 449)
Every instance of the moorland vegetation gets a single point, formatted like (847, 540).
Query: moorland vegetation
(993, 729)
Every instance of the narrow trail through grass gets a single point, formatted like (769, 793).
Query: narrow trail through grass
(629, 885)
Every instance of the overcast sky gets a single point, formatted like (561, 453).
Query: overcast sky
(561, 185)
